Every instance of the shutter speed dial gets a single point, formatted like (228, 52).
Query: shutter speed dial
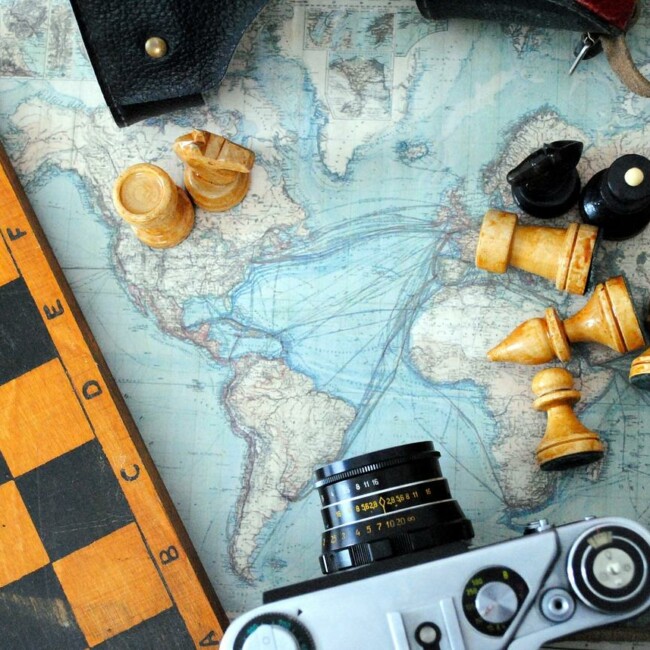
(492, 598)
(274, 632)
(496, 602)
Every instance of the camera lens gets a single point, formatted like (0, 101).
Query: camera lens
(385, 504)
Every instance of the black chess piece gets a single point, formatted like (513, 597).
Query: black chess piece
(617, 199)
(546, 184)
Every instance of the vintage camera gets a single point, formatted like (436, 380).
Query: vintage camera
(401, 574)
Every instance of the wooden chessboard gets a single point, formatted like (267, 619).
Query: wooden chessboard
(92, 552)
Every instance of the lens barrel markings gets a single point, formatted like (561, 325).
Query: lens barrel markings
(421, 469)
(385, 502)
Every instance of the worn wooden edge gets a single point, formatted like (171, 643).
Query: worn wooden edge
(116, 395)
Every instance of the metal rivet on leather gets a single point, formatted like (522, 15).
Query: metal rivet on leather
(156, 47)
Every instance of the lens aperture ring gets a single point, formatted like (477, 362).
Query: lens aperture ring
(385, 502)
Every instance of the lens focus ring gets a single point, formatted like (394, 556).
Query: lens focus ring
(386, 504)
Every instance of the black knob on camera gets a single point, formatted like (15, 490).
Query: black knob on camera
(546, 184)
(617, 199)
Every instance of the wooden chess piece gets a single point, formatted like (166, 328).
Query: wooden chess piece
(567, 442)
(217, 172)
(159, 212)
(640, 371)
(608, 318)
(562, 255)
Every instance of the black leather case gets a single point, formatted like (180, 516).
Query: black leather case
(201, 37)
(558, 14)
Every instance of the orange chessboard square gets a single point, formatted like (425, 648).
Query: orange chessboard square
(8, 270)
(112, 585)
(40, 418)
(21, 550)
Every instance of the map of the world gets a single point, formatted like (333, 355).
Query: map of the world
(337, 310)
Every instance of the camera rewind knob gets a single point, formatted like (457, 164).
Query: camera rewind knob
(274, 632)
(608, 569)
(271, 636)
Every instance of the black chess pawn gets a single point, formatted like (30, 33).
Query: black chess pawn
(546, 184)
(617, 199)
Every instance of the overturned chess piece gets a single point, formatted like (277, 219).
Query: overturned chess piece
(546, 183)
(217, 173)
(562, 255)
(608, 318)
(159, 212)
(617, 199)
(640, 371)
(567, 442)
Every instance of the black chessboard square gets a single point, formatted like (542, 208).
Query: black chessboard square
(25, 342)
(35, 614)
(74, 500)
(5, 474)
(167, 630)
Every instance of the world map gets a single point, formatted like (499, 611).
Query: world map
(337, 310)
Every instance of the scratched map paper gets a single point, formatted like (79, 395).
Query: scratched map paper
(337, 310)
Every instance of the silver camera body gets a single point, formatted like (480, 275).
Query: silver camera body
(518, 594)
